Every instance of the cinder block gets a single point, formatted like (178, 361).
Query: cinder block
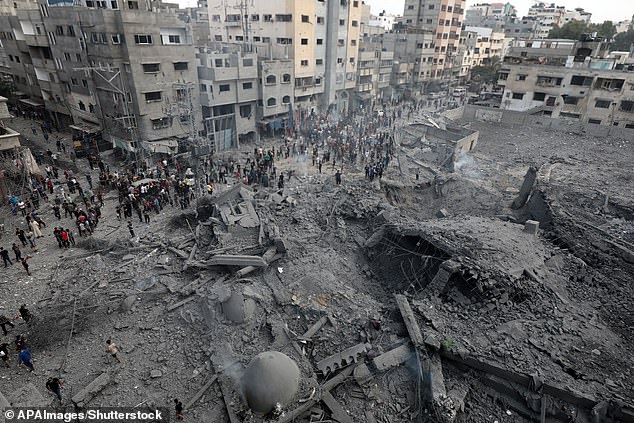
(531, 227)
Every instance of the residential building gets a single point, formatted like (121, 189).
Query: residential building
(623, 26)
(317, 39)
(548, 15)
(466, 47)
(525, 27)
(9, 139)
(443, 18)
(374, 71)
(414, 59)
(384, 20)
(577, 14)
(123, 73)
(489, 45)
(229, 93)
(477, 14)
(583, 87)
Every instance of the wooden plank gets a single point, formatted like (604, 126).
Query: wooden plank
(315, 328)
(201, 391)
(336, 410)
(410, 321)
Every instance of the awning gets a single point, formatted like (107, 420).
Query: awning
(31, 102)
(119, 142)
(169, 146)
(88, 129)
(19, 93)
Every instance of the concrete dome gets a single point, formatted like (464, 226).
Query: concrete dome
(271, 377)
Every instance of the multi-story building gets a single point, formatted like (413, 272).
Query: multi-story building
(623, 26)
(9, 139)
(525, 27)
(444, 19)
(478, 14)
(374, 71)
(318, 39)
(229, 92)
(121, 71)
(414, 59)
(488, 45)
(577, 14)
(548, 16)
(384, 20)
(582, 86)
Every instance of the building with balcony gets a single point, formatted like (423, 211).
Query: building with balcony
(318, 39)
(9, 139)
(414, 58)
(444, 19)
(548, 16)
(579, 87)
(229, 93)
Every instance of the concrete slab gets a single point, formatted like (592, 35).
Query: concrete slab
(82, 397)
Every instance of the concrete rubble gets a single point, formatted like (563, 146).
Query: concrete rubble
(479, 292)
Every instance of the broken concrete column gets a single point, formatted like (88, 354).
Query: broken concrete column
(531, 227)
(526, 189)
(89, 392)
(270, 378)
(442, 213)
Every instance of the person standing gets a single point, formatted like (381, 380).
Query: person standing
(178, 408)
(24, 359)
(131, 229)
(113, 350)
(26, 265)
(4, 354)
(35, 227)
(4, 321)
(5, 256)
(55, 385)
(20, 234)
(338, 177)
(18, 253)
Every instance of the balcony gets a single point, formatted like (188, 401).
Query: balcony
(47, 64)
(9, 139)
(36, 40)
(365, 71)
(364, 87)
(233, 23)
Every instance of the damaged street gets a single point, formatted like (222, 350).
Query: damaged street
(484, 277)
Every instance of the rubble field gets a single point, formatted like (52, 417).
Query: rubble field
(500, 292)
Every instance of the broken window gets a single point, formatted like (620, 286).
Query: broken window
(609, 84)
(585, 81)
(548, 81)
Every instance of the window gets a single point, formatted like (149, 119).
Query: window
(247, 85)
(341, 42)
(84, 83)
(320, 41)
(284, 18)
(320, 20)
(268, 18)
(203, 88)
(271, 102)
(143, 39)
(353, 42)
(255, 18)
(271, 79)
(286, 78)
(627, 106)
(571, 100)
(304, 62)
(73, 81)
(218, 63)
(431, 7)
(133, 5)
(180, 66)
(257, 39)
(66, 57)
(247, 62)
(82, 106)
(78, 57)
(59, 30)
(595, 121)
(152, 96)
(223, 88)
(218, 37)
(355, 24)
(304, 41)
(285, 41)
(355, 3)
(114, 4)
(245, 111)
(317, 81)
(151, 67)
(352, 60)
(70, 31)
(602, 104)
(91, 108)
(518, 96)
(215, 18)
(161, 123)
(173, 39)
(339, 60)
(342, 22)
(116, 39)
(521, 77)
(305, 19)
(286, 99)
(319, 62)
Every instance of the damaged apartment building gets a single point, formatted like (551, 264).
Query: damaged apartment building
(569, 80)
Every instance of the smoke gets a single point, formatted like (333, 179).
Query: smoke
(466, 165)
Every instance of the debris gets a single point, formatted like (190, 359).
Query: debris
(232, 260)
(336, 410)
(155, 373)
(531, 227)
(410, 321)
(201, 391)
(84, 396)
(342, 359)
(270, 378)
